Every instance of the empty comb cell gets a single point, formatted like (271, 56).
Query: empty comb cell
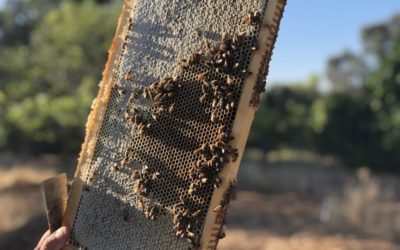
(167, 130)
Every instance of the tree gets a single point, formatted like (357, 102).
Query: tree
(383, 94)
(284, 116)
(347, 72)
(48, 80)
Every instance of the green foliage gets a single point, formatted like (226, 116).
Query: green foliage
(53, 52)
(49, 80)
(358, 122)
(283, 117)
(383, 93)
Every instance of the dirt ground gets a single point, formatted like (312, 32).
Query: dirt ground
(286, 221)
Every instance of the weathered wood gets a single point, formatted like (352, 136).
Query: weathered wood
(55, 197)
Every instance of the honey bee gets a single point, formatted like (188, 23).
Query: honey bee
(204, 88)
(246, 72)
(191, 190)
(135, 175)
(138, 190)
(247, 19)
(141, 203)
(114, 167)
(221, 102)
(221, 234)
(152, 212)
(217, 181)
(235, 156)
(146, 93)
(121, 92)
(186, 213)
(224, 37)
(214, 103)
(222, 129)
(197, 213)
(213, 117)
(217, 209)
(183, 66)
(158, 97)
(182, 199)
(194, 58)
(156, 176)
(128, 75)
(92, 177)
(203, 98)
(171, 108)
(198, 151)
(202, 76)
(192, 171)
(199, 162)
(202, 175)
(219, 61)
(237, 37)
(224, 46)
(130, 21)
(251, 18)
(229, 80)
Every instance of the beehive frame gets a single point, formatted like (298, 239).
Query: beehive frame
(103, 210)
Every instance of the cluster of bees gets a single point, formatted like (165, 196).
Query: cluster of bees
(144, 179)
(185, 221)
(152, 212)
(139, 118)
(223, 58)
(226, 59)
(252, 18)
(221, 209)
(211, 159)
(220, 93)
(161, 93)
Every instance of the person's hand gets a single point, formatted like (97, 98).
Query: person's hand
(54, 241)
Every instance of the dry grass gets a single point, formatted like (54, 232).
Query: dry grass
(20, 195)
(256, 220)
(368, 204)
(239, 239)
(23, 175)
(288, 222)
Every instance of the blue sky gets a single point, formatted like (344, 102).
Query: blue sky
(313, 30)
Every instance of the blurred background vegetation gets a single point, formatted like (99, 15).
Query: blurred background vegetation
(52, 54)
(298, 187)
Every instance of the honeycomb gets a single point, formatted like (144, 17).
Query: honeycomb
(164, 144)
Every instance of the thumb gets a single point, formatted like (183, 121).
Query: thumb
(56, 240)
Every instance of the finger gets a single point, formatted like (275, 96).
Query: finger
(56, 240)
(44, 237)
